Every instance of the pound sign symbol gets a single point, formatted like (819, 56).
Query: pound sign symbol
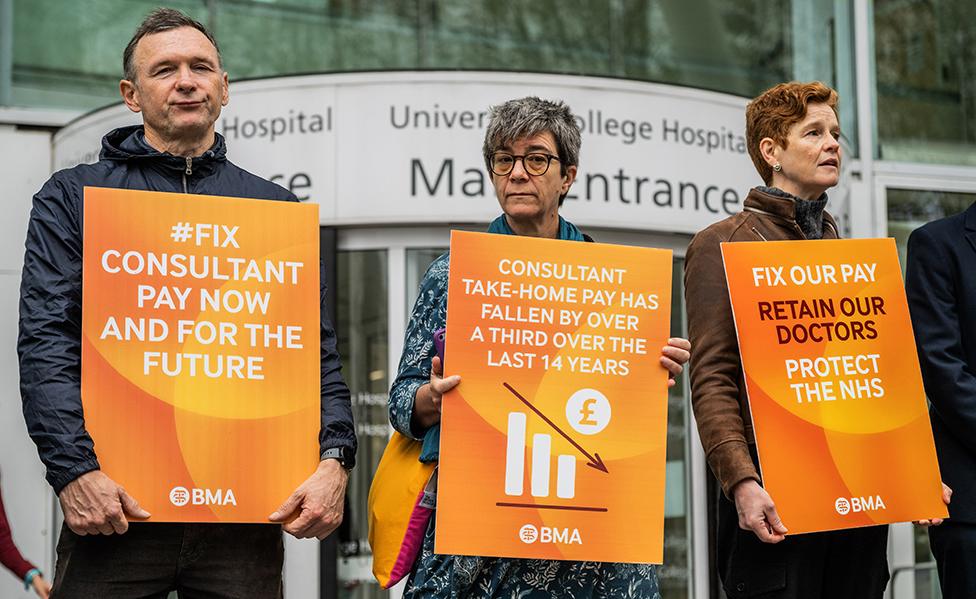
(586, 413)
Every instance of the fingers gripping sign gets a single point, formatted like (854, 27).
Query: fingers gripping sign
(757, 512)
(674, 356)
(427, 403)
(93, 504)
(438, 384)
(946, 499)
(315, 508)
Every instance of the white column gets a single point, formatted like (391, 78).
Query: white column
(515, 454)
(541, 454)
(566, 477)
(301, 569)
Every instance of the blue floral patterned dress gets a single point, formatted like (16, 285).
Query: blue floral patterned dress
(455, 577)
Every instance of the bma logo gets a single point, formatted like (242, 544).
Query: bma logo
(871, 503)
(181, 496)
(529, 534)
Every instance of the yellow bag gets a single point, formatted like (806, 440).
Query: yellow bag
(401, 500)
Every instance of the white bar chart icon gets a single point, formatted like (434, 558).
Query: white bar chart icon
(541, 463)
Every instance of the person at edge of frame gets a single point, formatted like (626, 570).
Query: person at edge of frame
(175, 79)
(531, 151)
(12, 559)
(793, 138)
(940, 282)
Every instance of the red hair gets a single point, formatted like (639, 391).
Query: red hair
(773, 112)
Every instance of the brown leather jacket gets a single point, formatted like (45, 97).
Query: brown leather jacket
(718, 392)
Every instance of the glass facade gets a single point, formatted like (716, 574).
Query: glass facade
(909, 209)
(926, 80)
(363, 330)
(67, 55)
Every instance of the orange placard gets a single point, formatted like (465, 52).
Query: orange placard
(834, 384)
(553, 445)
(200, 350)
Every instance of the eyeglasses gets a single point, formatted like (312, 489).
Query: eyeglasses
(535, 163)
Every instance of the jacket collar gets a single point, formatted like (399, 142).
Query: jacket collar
(970, 224)
(970, 216)
(129, 144)
(783, 209)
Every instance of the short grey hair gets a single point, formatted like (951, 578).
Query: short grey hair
(525, 117)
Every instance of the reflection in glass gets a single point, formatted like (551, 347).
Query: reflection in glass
(926, 60)
(741, 47)
(909, 209)
(363, 330)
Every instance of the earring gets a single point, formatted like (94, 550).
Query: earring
(777, 167)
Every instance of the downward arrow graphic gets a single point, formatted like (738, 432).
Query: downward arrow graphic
(595, 461)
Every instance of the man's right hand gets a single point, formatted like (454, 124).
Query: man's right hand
(93, 504)
(757, 512)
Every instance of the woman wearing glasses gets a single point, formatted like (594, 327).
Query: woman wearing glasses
(531, 149)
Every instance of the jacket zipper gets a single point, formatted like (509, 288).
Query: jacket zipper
(187, 172)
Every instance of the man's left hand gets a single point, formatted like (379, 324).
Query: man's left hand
(317, 503)
(673, 356)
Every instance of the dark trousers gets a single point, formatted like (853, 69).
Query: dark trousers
(844, 564)
(199, 561)
(954, 547)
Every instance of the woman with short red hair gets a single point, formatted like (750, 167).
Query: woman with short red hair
(793, 137)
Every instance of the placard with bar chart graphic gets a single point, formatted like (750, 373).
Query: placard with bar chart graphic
(553, 445)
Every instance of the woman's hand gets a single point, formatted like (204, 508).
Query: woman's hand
(41, 587)
(946, 498)
(427, 403)
(674, 355)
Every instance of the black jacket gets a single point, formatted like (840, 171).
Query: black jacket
(49, 343)
(941, 286)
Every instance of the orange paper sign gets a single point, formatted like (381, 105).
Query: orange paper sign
(200, 352)
(833, 381)
(555, 439)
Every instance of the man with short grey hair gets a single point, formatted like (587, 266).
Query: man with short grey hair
(175, 80)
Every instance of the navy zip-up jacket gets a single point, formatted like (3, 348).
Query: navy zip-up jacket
(49, 344)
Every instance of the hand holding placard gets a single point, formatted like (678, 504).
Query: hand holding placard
(427, 403)
(674, 355)
(315, 508)
(757, 512)
(93, 504)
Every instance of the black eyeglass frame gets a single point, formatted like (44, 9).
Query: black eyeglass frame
(515, 158)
